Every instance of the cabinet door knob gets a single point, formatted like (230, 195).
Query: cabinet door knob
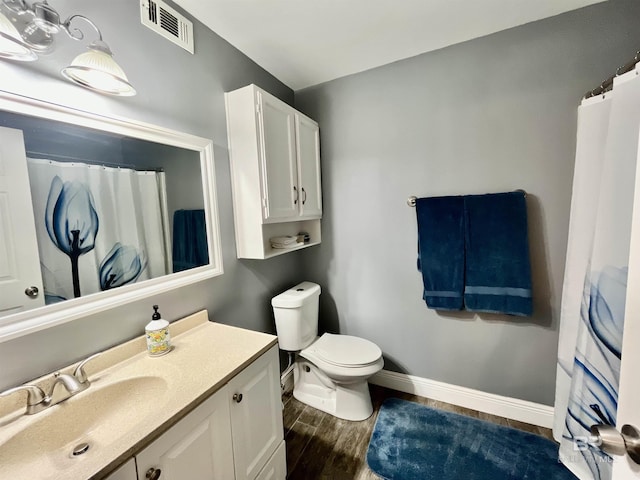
(237, 397)
(304, 200)
(153, 473)
(295, 190)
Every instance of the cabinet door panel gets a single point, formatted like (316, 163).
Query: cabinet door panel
(276, 468)
(279, 176)
(197, 447)
(256, 417)
(308, 145)
(125, 472)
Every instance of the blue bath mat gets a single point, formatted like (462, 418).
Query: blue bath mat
(414, 442)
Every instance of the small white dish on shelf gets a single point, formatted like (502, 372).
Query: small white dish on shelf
(287, 241)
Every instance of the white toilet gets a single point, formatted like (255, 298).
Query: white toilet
(330, 372)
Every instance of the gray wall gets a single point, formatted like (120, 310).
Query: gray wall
(493, 114)
(175, 90)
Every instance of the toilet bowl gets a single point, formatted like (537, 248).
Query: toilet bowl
(330, 371)
(331, 375)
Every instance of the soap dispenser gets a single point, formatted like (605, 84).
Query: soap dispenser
(157, 333)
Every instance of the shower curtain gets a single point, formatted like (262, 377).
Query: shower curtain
(98, 227)
(594, 290)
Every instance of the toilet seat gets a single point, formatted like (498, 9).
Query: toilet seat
(343, 351)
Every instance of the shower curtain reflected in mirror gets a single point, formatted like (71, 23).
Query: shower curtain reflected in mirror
(98, 227)
(595, 283)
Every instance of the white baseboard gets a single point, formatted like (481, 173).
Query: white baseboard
(512, 408)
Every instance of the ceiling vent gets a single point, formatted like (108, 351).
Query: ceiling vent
(163, 19)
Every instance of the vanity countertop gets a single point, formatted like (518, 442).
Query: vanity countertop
(206, 355)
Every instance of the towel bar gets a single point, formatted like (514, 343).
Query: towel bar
(411, 201)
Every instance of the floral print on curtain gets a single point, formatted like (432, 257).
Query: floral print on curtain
(108, 223)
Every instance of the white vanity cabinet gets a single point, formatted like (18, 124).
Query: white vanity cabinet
(197, 447)
(235, 433)
(256, 417)
(275, 170)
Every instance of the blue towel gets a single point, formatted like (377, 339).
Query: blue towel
(189, 240)
(498, 271)
(441, 250)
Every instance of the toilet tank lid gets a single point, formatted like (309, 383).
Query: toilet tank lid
(296, 296)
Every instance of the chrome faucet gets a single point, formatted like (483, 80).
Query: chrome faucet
(37, 400)
(70, 384)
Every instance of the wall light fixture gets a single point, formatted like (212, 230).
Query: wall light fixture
(28, 30)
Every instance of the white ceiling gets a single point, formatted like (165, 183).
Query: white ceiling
(306, 42)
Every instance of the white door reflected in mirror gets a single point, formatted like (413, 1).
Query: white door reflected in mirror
(19, 260)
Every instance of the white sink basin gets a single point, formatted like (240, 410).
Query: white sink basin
(95, 416)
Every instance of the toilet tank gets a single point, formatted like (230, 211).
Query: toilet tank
(296, 313)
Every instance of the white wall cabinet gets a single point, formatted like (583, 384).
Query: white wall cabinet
(235, 433)
(308, 156)
(277, 157)
(275, 170)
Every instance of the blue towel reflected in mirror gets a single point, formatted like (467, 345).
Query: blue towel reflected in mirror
(190, 247)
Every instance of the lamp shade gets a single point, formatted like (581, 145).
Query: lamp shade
(11, 44)
(97, 70)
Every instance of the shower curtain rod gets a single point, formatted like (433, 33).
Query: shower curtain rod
(607, 85)
(67, 158)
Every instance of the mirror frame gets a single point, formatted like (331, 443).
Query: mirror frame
(40, 318)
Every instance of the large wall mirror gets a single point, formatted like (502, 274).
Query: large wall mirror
(96, 212)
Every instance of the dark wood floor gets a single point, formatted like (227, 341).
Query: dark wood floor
(320, 446)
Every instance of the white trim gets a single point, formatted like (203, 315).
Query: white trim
(507, 407)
